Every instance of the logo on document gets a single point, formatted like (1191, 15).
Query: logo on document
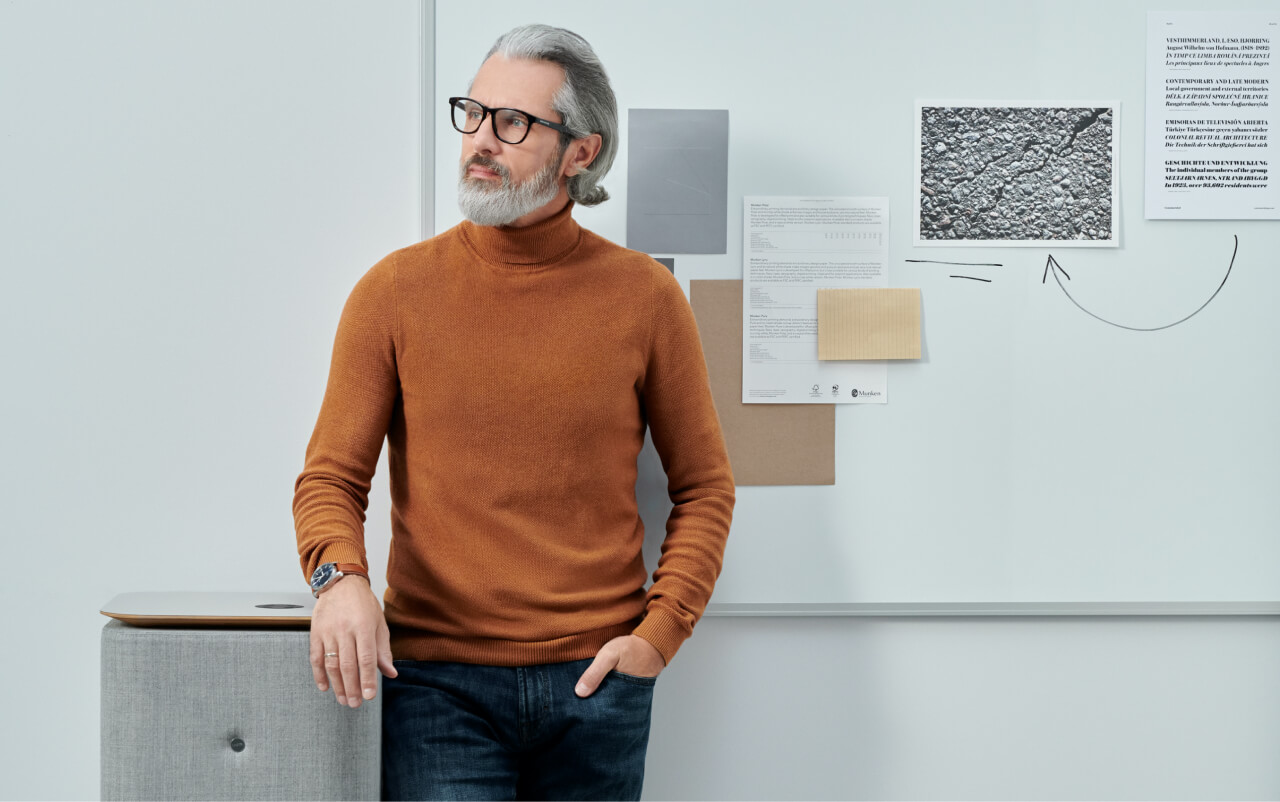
(864, 393)
(815, 391)
(835, 390)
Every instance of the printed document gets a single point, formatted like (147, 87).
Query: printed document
(792, 247)
(1212, 118)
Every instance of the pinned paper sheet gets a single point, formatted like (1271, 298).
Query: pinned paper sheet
(880, 323)
(677, 180)
(769, 444)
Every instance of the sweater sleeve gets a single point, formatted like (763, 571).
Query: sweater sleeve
(332, 492)
(686, 433)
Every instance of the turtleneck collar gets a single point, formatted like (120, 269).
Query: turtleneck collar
(528, 246)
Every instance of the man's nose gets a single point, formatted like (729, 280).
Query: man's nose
(483, 140)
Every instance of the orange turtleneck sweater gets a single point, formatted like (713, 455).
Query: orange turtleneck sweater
(512, 373)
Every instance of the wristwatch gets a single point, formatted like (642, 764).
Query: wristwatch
(327, 574)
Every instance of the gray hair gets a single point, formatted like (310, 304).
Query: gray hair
(585, 100)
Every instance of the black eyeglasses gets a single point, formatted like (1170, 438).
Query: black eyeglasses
(509, 125)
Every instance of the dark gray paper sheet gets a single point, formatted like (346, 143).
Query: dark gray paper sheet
(677, 180)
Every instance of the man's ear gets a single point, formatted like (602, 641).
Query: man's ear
(581, 153)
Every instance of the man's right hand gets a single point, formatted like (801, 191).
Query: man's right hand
(350, 641)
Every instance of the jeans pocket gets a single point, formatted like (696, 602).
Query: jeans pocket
(647, 682)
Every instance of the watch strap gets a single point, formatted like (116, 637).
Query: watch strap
(349, 569)
(339, 571)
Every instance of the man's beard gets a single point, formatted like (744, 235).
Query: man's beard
(487, 205)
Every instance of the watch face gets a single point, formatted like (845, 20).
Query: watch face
(323, 574)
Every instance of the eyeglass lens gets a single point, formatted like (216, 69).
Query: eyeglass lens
(511, 126)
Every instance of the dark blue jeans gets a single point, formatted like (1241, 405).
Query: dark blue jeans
(459, 731)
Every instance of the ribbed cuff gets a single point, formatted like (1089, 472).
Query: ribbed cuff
(665, 631)
(339, 552)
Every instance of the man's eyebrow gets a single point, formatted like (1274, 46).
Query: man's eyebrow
(524, 110)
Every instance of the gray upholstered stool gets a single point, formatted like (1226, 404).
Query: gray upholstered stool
(228, 714)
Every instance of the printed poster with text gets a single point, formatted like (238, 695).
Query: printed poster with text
(792, 247)
(1211, 116)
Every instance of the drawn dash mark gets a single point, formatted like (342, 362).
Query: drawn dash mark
(974, 278)
(967, 264)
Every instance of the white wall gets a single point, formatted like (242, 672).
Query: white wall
(188, 190)
(998, 708)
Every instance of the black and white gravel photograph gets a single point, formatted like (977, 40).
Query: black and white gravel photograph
(1019, 174)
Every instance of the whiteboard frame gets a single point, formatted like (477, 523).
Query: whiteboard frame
(994, 609)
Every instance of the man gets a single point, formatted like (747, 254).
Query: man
(512, 363)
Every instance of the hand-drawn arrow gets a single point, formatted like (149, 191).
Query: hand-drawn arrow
(1052, 265)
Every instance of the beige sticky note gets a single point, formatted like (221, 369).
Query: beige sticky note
(880, 323)
(769, 444)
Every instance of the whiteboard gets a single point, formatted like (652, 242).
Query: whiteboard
(1035, 454)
